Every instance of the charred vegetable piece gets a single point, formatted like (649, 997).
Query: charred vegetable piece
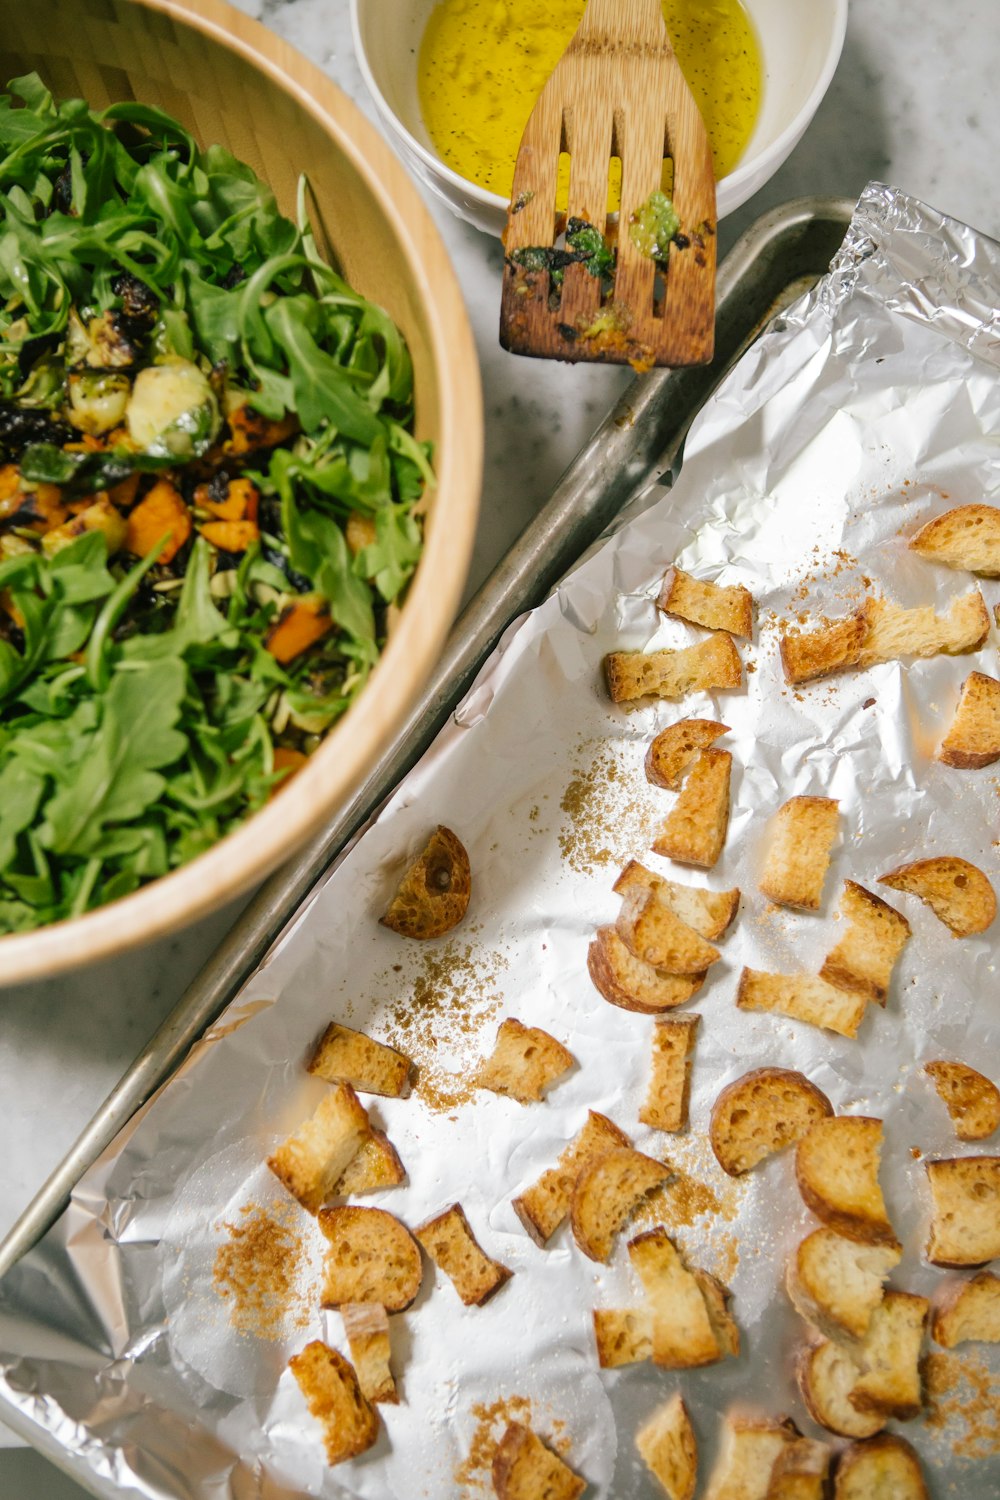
(297, 628)
(161, 516)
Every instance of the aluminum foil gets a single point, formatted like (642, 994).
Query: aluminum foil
(871, 405)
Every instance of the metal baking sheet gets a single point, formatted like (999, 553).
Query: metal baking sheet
(782, 254)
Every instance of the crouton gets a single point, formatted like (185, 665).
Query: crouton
(836, 1167)
(606, 1193)
(836, 1284)
(372, 1258)
(717, 1299)
(707, 604)
(709, 664)
(624, 1336)
(543, 1206)
(761, 1113)
(827, 1375)
(667, 1446)
(957, 892)
(889, 1358)
(883, 1468)
(651, 931)
(798, 852)
(666, 1104)
(349, 1056)
(525, 1469)
(675, 747)
(748, 1453)
(433, 895)
(863, 960)
(967, 537)
(967, 1310)
(819, 653)
(694, 830)
(965, 1224)
(972, 1101)
(800, 1471)
(524, 1062)
(332, 1393)
(973, 737)
(681, 1329)
(314, 1157)
(892, 632)
(452, 1247)
(629, 982)
(803, 997)
(708, 912)
(366, 1325)
(376, 1166)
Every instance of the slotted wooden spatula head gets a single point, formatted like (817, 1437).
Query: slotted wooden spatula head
(618, 91)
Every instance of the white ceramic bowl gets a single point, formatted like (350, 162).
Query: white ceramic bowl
(800, 43)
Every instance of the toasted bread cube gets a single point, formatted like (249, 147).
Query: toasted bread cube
(965, 1226)
(967, 537)
(957, 892)
(798, 853)
(827, 1375)
(717, 1298)
(864, 958)
(709, 664)
(606, 1193)
(666, 1103)
(525, 1469)
(694, 831)
(524, 1062)
(973, 738)
(651, 931)
(366, 1325)
(629, 982)
(819, 653)
(708, 912)
(803, 997)
(452, 1247)
(351, 1057)
(883, 1468)
(542, 1208)
(836, 1167)
(893, 632)
(968, 1310)
(761, 1113)
(889, 1383)
(800, 1471)
(681, 1329)
(316, 1155)
(376, 1166)
(836, 1283)
(433, 895)
(624, 1336)
(333, 1396)
(667, 1446)
(708, 604)
(675, 747)
(372, 1258)
(748, 1454)
(972, 1100)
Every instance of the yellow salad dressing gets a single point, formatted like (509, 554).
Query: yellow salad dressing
(483, 63)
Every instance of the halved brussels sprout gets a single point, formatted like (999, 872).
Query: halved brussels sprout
(97, 401)
(173, 412)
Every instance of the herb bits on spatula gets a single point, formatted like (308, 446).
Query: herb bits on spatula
(639, 289)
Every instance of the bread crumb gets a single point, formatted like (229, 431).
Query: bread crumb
(607, 816)
(257, 1271)
(961, 1394)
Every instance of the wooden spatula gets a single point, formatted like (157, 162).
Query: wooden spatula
(617, 91)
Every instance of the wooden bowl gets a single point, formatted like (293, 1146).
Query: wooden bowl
(230, 81)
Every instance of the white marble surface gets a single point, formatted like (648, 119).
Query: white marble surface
(914, 102)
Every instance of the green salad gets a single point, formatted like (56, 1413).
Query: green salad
(210, 498)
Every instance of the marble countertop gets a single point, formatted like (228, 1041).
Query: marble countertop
(914, 102)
